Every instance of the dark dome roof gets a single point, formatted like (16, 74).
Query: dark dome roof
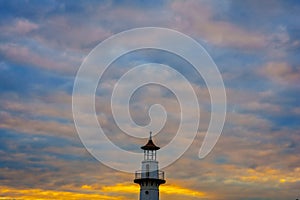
(150, 146)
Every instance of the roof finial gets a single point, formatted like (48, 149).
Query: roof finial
(150, 145)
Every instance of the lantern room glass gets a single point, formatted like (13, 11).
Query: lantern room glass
(149, 155)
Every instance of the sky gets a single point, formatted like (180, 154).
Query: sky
(256, 46)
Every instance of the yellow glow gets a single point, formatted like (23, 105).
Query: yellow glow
(268, 175)
(88, 187)
(122, 187)
(174, 189)
(40, 194)
(164, 189)
(282, 180)
(85, 192)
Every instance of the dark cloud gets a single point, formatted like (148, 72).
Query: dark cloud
(25, 82)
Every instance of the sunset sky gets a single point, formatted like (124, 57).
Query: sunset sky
(256, 46)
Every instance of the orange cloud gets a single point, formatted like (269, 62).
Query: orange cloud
(24, 125)
(280, 72)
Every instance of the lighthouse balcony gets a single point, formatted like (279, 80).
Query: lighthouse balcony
(150, 175)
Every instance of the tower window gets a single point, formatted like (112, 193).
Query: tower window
(147, 192)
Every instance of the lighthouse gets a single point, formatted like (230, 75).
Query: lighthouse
(149, 177)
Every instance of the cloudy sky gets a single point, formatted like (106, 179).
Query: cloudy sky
(256, 46)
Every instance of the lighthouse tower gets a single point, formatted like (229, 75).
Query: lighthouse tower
(149, 178)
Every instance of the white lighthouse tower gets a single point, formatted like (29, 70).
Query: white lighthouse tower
(149, 178)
